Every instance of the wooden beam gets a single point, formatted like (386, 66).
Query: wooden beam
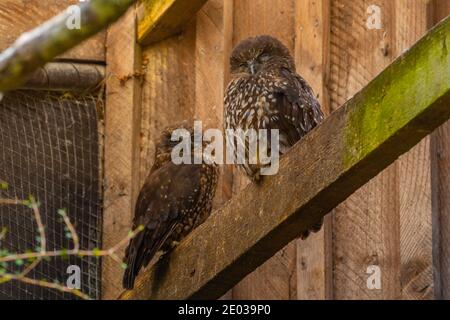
(404, 104)
(64, 76)
(160, 19)
(122, 142)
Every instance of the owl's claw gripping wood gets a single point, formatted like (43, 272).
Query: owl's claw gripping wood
(265, 92)
(174, 200)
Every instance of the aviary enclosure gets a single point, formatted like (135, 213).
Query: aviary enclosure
(77, 140)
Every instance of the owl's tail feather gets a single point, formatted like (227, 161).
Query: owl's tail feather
(133, 259)
(314, 229)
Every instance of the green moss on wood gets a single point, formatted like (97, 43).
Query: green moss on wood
(404, 90)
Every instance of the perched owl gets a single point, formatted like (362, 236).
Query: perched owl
(265, 92)
(174, 200)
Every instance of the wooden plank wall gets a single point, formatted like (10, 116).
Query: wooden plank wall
(441, 183)
(387, 223)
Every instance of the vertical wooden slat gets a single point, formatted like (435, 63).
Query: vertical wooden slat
(441, 183)
(169, 90)
(213, 45)
(411, 23)
(276, 279)
(211, 53)
(312, 56)
(388, 222)
(366, 226)
(122, 127)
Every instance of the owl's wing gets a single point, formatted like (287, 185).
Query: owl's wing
(298, 109)
(165, 199)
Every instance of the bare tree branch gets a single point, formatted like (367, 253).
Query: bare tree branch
(36, 257)
(33, 49)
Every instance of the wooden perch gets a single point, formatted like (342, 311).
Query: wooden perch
(405, 103)
(160, 19)
(66, 76)
(33, 49)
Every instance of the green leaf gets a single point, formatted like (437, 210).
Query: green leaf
(4, 185)
(96, 252)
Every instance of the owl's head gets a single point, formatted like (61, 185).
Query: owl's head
(166, 144)
(261, 53)
(172, 136)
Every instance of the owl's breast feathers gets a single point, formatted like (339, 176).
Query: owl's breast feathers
(277, 99)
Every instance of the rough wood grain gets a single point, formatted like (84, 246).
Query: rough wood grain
(441, 184)
(366, 226)
(391, 216)
(212, 50)
(341, 155)
(160, 19)
(168, 95)
(312, 50)
(276, 279)
(18, 16)
(122, 128)
(414, 177)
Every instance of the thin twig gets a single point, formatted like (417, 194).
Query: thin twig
(73, 232)
(11, 202)
(43, 253)
(73, 252)
(46, 284)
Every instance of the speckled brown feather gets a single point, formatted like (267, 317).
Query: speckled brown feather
(174, 200)
(274, 97)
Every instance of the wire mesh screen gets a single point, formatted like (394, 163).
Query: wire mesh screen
(49, 148)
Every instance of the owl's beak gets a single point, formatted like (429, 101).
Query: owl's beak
(253, 67)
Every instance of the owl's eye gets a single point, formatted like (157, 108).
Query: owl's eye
(264, 57)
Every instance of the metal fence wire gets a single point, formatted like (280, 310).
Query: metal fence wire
(49, 148)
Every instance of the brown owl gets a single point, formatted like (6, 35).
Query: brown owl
(174, 200)
(265, 92)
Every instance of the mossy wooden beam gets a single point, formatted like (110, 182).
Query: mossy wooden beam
(33, 49)
(160, 19)
(405, 103)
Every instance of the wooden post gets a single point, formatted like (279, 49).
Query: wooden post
(122, 140)
(312, 52)
(212, 51)
(352, 146)
(441, 183)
